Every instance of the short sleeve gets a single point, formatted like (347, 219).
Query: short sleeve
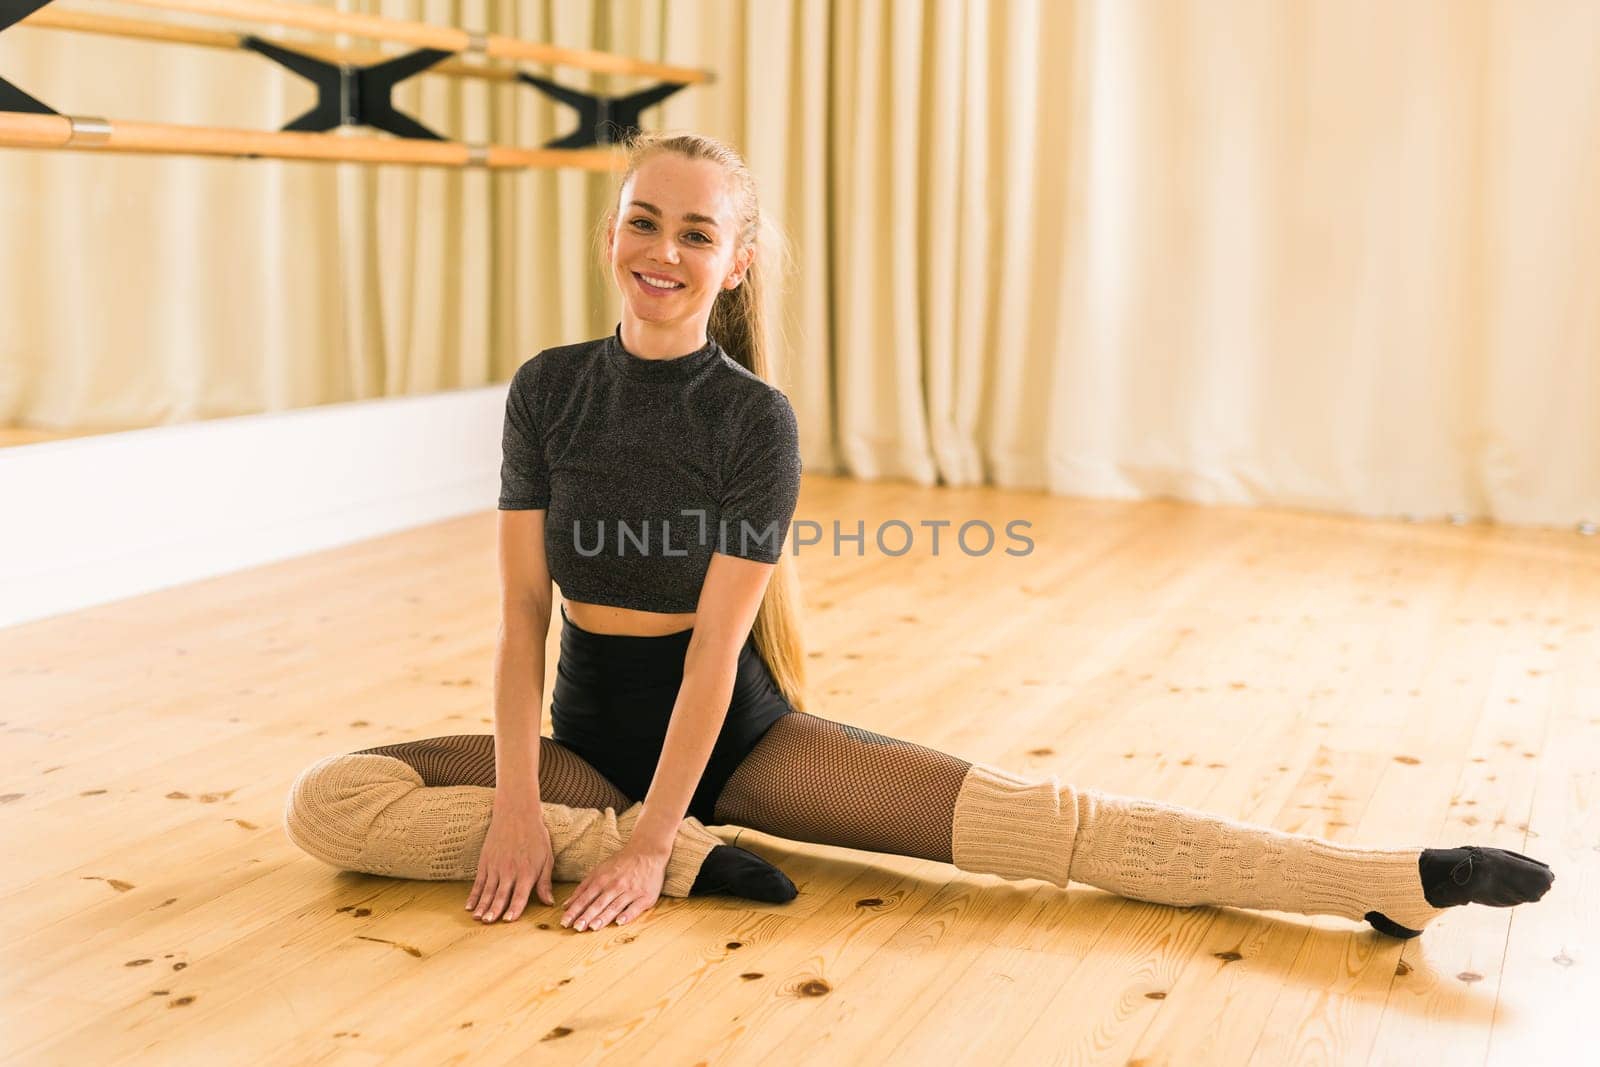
(762, 483)
(524, 479)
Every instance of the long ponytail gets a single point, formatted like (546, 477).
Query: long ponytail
(739, 325)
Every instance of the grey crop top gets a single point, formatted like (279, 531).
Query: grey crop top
(646, 467)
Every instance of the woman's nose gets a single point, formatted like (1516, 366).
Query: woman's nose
(664, 249)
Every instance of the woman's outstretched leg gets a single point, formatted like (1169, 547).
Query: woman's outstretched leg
(421, 809)
(468, 759)
(812, 779)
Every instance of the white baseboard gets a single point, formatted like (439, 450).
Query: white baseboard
(88, 520)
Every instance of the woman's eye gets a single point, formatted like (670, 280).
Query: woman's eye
(696, 234)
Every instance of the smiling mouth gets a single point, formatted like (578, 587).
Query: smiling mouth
(657, 283)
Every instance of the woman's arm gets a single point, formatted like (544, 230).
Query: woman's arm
(516, 860)
(763, 486)
(729, 600)
(525, 607)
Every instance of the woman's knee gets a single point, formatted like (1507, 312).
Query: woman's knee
(333, 802)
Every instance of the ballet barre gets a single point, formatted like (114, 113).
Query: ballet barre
(150, 138)
(353, 89)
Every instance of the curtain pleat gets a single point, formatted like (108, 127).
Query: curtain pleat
(1317, 254)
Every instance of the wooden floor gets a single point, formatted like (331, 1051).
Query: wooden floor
(12, 436)
(1377, 683)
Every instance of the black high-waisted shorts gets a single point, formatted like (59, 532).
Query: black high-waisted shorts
(613, 698)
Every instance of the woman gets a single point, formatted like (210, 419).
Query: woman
(652, 475)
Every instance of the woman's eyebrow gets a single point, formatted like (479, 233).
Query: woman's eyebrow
(703, 219)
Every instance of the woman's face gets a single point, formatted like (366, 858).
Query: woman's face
(675, 226)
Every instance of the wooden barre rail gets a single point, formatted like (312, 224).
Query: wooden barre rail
(425, 35)
(140, 29)
(20, 130)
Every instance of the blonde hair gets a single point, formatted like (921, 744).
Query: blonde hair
(739, 326)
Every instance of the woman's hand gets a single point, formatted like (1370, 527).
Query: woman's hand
(516, 859)
(622, 888)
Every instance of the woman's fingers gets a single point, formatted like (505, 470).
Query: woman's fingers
(611, 911)
(585, 915)
(519, 895)
(591, 908)
(587, 921)
(502, 893)
(545, 893)
(477, 887)
(486, 895)
(578, 901)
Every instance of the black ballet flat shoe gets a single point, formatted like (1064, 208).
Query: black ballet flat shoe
(1385, 925)
(732, 871)
(1471, 874)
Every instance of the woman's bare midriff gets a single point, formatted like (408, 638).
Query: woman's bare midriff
(604, 619)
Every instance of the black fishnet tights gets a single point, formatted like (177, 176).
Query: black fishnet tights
(807, 779)
(468, 759)
(812, 779)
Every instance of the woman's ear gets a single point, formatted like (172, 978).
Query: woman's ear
(608, 246)
(741, 266)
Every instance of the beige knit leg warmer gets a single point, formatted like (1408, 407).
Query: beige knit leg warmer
(371, 813)
(1020, 827)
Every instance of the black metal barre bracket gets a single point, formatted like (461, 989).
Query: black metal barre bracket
(353, 96)
(602, 120)
(361, 96)
(346, 95)
(12, 98)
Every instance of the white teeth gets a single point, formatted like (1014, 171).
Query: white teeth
(659, 285)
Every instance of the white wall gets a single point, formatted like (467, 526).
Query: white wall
(89, 520)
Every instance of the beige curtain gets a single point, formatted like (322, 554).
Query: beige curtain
(1333, 255)
(143, 290)
(1324, 254)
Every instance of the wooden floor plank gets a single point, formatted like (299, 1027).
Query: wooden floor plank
(1377, 683)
